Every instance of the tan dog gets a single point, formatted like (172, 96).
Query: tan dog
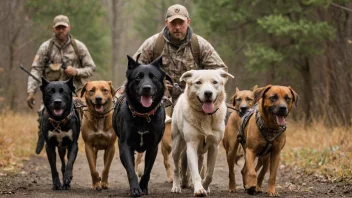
(241, 101)
(264, 136)
(97, 131)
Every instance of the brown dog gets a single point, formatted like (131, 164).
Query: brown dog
(97, 131)
(241, 101)
(262, 135)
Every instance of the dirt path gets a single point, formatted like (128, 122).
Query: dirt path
(35, 181)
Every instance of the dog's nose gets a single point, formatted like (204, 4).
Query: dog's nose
(98, 99)
(282, 108)
(57, 101)
(208, 94)
(147, 88)
(243, 108)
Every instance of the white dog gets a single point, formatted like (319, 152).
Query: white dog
(198, 125)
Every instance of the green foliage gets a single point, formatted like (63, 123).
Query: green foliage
(88, 21)
(262, 57)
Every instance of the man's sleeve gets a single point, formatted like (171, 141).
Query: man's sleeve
(210, 59)
(37, 68)
(146, 50)
(88, 66)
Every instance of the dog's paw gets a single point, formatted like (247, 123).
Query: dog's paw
(97, 186)
(67, 180)
(232, 190)
(259, 189)
(272, 194)
(176, 190)
(185, 183)
(169, 180)
(200, 192)
(104, 185)
(136, 192)
(66, 186)
(56, 184)
(145, 191)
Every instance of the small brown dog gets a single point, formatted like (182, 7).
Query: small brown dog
(97, 131)
(241, 101)
(262, 135)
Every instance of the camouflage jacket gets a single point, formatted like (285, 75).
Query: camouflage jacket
(176, 61)
(52, 70)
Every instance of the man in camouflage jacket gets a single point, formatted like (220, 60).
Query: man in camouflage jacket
(52, 54)
(178, 55)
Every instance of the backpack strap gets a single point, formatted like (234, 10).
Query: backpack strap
(195, 49)
(75, 48)
(159, 46)
(48, 53)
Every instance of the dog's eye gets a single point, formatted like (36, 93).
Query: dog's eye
(91, 91)
(198, 82)
(105, 90)
(238, 99)
(61, 90)
(215, 82)
(288, 99)
(249, 99)
(273, 98)
(155, 78)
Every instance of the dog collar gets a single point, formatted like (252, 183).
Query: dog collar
(145, 115)
(57, 124)
(99, 116)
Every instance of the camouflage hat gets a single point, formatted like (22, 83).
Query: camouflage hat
(61, 20)
(177, 11)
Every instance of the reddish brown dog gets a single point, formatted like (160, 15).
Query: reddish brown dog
(264, 136)
(97, 131)
(241, 101)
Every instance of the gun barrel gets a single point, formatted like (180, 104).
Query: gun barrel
(29, 73)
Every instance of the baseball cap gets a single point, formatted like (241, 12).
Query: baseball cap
(177, 11)
(61, 20)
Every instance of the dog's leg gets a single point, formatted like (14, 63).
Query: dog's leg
(185, 174)
(108, 157)
(127, 160)
(92, 160)
(137, 163)
(166, 152)
(72, 154)
(201, 167)
(150, 156)
(51, 154)
(263, 162)
(192, 159)
(178, 145)
(231, 153)
(62, 153)
(274, 164)
(211, 159)
(250, 174)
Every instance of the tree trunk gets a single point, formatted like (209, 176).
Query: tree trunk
(117, 25)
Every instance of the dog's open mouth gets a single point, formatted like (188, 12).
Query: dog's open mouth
(58, 112)
(99, 108)
(279, 119)
(207, 105)
(146, 101)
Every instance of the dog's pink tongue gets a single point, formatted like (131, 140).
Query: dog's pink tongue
(146, 101)
(280, 120)
(99, 108)
(208, 107)
(58, 111)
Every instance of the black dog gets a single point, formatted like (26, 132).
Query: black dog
(60, 126)
(138, 120)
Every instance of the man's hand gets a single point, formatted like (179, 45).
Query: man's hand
(30, 100)
(71, 71)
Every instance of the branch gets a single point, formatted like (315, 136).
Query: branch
(342, 7)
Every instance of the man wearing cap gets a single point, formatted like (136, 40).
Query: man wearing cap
(180, 48)
(59, 58)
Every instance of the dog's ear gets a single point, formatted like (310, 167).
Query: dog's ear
(254, 88)
(186, 76)
(158, 62)
(295, 96)
(113, 90)
(237, 90)
(84, 89)
(45, 82)
(259, 93)
(70, 84)
(225, 75)
(132, 63)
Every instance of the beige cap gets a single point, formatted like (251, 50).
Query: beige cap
(61, 20)
(177, 11)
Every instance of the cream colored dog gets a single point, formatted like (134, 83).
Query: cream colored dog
(198, 125)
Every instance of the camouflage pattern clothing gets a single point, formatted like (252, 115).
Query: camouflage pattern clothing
(52, 70)
(178, 59)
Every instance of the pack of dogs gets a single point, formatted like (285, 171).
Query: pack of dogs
(136, 119)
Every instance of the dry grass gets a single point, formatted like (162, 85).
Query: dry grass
(320, 150)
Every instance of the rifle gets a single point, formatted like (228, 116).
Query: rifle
(64, 63)
(29, 73)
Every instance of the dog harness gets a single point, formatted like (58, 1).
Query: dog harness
(269, 134)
